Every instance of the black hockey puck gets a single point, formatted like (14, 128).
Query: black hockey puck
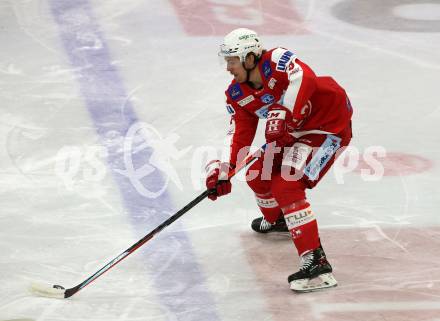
(58, 287)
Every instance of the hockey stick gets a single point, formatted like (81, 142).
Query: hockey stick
(58, 291)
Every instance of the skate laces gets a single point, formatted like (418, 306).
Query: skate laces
(265, 225)
(306, 260)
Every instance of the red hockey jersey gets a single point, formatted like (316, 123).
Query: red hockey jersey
(318, 104)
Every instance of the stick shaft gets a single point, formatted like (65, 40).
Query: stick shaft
(69, 292)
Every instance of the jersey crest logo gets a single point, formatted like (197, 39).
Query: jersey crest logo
(267, 70)
(285, 58)
(235, 91)
(246, 100)
(305, 112)
(267, 98)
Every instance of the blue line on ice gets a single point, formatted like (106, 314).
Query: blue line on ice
(178, 279)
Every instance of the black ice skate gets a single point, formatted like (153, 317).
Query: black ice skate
(315, 273)
(260, 225)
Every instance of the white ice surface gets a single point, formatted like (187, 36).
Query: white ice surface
(62, 231)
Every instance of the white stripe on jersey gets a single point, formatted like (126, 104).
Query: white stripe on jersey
(291, 94)
(277, 54)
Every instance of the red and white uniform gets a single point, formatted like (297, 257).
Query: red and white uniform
(321, 114)
(318, 104)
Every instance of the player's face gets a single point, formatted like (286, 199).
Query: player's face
(234, 66)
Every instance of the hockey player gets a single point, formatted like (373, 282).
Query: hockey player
(308, 122)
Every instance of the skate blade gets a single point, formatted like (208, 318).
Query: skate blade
(321, 282)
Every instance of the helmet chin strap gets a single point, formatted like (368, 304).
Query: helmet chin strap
(248, 70)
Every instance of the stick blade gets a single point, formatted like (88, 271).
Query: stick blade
(49, 291)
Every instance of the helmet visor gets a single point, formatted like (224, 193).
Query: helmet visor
(228, 56)
(227, 51)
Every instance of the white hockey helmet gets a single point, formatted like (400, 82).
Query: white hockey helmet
(240, 42)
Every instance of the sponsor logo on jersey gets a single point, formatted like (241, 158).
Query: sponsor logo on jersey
(235, 91)
(266, 203)
(230, 109)
(271, 83)
(277, 114)
(296, 156)
(262, 112)
(292, 69)
(322, 156)
(267, 98)
(267, 70)
(301, 217)
(284, 59)
(246, 100)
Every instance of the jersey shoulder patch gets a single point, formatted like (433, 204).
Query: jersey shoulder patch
(234, 91)
(281, 57)
(266, 68)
